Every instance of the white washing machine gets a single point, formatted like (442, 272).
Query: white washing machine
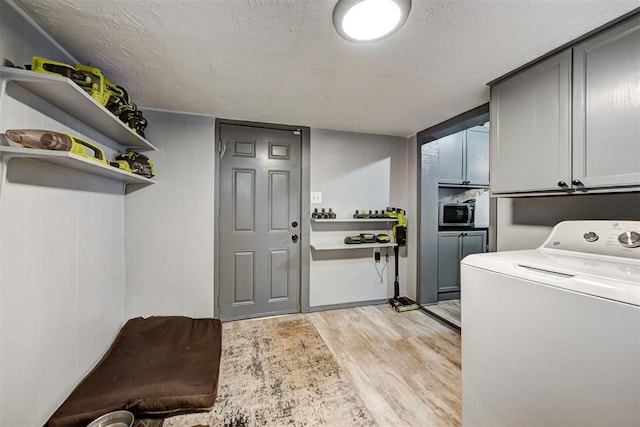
(551, 337)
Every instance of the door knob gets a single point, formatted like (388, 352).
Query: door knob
(294, 238)
(294, 224)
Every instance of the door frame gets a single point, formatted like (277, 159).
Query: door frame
(305, 207)
(427, 274)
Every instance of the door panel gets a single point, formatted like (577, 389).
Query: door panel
(244, 199)
(244, 275)
(279, 200)
(530, 128)
(477, 157)
(606, 124)
(451, 159)
(449, 261)
(259, 262)
(279, 267)
(473, 243)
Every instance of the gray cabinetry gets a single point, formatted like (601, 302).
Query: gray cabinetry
(451, 164)
(463, 158)
(530, 128)
(453, 246)
(571, 123)
(477, 155)
(606, 102)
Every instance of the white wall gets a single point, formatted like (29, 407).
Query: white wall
(524, 223)
(61, 254)
(354, 171)
(170, 225)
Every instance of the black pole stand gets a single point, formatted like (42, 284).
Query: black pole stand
(399, 303)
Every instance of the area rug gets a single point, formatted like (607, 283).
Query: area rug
(277, 372)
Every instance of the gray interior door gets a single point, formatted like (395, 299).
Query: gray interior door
(259, 215)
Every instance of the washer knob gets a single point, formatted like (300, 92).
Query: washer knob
(590, 236)
(629, 239)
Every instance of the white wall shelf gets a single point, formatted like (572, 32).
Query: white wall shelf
(361, 220)
(62, 93)
(337, 246)
(67, 160)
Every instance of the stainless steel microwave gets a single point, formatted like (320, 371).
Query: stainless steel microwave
(455, 214)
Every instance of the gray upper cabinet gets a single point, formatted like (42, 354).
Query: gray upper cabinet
(530, 116)
(571, 123)
(606, 102)
(451, 159)
(477, 158)
(463, 158)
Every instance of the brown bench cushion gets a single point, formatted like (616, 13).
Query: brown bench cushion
(157, 366)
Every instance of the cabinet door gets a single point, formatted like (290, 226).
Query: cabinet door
(473, 242)
(606, 123)
(449, 246)
(530, 128)
(477, 156)
(451, 165)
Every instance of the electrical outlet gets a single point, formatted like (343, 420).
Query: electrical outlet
(316, 197)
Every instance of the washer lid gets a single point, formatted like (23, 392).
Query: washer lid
(608, 277)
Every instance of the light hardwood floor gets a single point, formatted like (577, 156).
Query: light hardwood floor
(449, 310)
(405, 366)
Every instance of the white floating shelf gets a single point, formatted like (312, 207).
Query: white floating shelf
(344, 220)
(73, 161)
(62, 93)
(336, 246)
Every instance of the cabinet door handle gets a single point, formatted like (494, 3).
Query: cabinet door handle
(577, 182)
(562, 184)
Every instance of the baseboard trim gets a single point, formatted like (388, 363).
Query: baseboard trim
(346, 305)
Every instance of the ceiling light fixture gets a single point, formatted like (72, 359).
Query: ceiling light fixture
(369, 20)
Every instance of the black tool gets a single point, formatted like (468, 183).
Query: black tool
(368, 238)
(383, 238)
(399, 303)
(352, 240)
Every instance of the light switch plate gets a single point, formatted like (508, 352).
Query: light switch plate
(316, 197)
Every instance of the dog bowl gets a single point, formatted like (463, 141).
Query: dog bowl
(113, 419)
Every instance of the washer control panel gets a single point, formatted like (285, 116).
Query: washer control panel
(614, 238)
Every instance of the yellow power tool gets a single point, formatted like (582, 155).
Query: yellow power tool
(46, 140)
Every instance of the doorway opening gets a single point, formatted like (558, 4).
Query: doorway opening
(261, 197)
(456, 215)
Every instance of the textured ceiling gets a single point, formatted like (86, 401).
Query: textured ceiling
(281, 61)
